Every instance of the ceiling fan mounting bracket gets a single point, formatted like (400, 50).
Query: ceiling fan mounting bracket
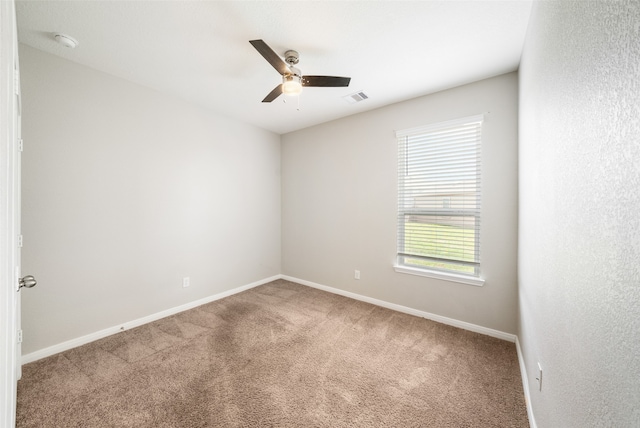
(291, 57)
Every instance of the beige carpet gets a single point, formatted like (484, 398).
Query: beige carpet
(279, 355)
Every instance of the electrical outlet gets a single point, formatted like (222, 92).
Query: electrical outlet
(357, 274)
(539, 378)
(186, 282)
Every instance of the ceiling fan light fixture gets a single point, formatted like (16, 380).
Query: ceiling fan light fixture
(291, 84)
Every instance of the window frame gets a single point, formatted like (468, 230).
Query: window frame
(402, 137)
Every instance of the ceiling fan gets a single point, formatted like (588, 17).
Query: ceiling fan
(292, 78)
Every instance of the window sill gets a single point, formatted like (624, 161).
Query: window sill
(463, 279)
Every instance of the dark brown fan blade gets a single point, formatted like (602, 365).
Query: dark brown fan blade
(325, 81)
(273, 94)
(271, 57)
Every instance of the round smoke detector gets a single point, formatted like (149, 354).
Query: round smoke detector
(65, 40)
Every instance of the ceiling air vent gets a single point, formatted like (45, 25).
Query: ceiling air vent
(355, 98)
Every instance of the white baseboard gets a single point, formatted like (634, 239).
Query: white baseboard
(438, 318)
(70, 344)
(74, 343)
(525, 385)
(64, 346)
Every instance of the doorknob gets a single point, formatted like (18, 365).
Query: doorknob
(28, 282)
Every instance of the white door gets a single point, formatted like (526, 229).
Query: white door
(17, 206)
(9, 213)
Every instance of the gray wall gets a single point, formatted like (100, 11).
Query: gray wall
(579, 240)
(339, 203)
(126, 191)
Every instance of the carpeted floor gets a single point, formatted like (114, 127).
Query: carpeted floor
(279, 355)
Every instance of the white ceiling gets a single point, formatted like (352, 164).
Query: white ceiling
(200, 51)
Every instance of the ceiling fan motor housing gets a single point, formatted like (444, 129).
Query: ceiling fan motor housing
(294, 72)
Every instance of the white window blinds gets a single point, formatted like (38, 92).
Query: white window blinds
(439, 196)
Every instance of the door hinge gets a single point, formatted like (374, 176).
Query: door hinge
(20, 241)
(20, 145)
(19, 336)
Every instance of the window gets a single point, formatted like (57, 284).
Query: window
(439, 200)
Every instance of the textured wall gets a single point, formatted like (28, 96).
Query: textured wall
(126, 191)
(339, 202)
(579, 241)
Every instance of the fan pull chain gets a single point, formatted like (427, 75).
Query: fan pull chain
(284, 100)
